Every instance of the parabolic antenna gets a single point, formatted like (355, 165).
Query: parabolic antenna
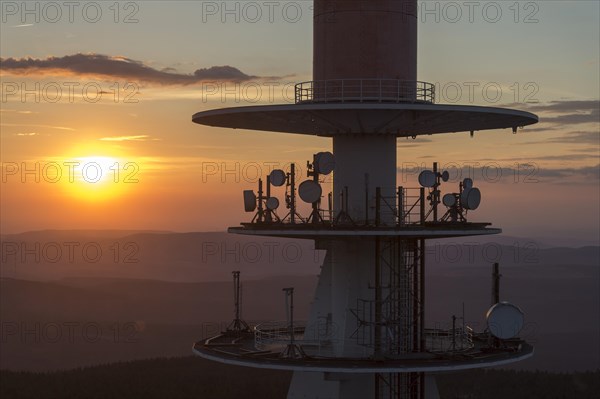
(445, 176)
(427, 178)
(249, 201)
(310, 191)
(272, 203)
(463, 197)
(277, 177)
(449, 200)
(467, 183)
(472, 199)
(324, 163)
(505, 320)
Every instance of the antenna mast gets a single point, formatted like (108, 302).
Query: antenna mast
(237, 325)
(496, 284)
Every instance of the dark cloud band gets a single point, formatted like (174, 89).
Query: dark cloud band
(116, 67)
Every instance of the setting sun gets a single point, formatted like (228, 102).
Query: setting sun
(99, 178)
(97, 170)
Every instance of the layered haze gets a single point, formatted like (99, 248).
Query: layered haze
(167, 290)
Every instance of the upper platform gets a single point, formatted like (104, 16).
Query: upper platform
(366, 106)
(401, 120)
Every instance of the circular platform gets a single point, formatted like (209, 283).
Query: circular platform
(234, 354)
(311, 231)
(399, 119)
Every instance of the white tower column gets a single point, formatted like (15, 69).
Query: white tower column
(365, 162)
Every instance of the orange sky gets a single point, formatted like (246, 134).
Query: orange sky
(175, 166)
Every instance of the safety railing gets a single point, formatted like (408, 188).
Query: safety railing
(365, 90)
(276, 334)
(444, 341)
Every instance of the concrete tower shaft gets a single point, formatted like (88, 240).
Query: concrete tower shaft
(365, 39)
(358, 41)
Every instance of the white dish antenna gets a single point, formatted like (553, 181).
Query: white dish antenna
(427, 178)
(445, 176)
(272, 203)
(277, 177)
(324, 163)
(249, 201)
(505, 320)
(467, 183)
(310, 191)
(449, 200)
(471, 199)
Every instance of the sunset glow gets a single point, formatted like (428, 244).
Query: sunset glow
(406, 194)
(79, 93)
(96, 178)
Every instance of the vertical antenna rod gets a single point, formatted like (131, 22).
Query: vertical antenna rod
(496, 284)
(289, 295)
(237, 325)
(291, 351)
(236, 293)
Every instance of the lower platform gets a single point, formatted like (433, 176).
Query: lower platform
(240, 349)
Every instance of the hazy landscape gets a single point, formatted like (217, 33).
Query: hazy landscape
(59, 314)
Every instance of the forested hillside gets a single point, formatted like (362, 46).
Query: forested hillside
(192, 377)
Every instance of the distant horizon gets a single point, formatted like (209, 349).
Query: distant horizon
(551, 241)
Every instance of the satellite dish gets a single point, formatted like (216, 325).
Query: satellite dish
(467, 183)
(449, 200)
(445, 176)
(310, 191)
(463, 196)
(272, 203)
(505, 320)
(249, 201)
(277, 177)
(473, 199)
(427, 178)
(324, 163)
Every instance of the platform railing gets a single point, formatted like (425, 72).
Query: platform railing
(364, 90)
(405, 207)
(276, 334)
(445, 341)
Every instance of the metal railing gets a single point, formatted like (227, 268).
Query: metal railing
(277, 335)
(274, 336)
(365, 90)
(444, 341)
(403, 208)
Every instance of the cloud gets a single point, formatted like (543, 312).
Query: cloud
(567, 112)
(16, 111)
(567, 106)
(574, 119)
(527, 169)
(37, 126)
(563, 157)
(115, 67)
(539, 129)
(129, 138)
(592, 172)
(578, 137)
(565, 175)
